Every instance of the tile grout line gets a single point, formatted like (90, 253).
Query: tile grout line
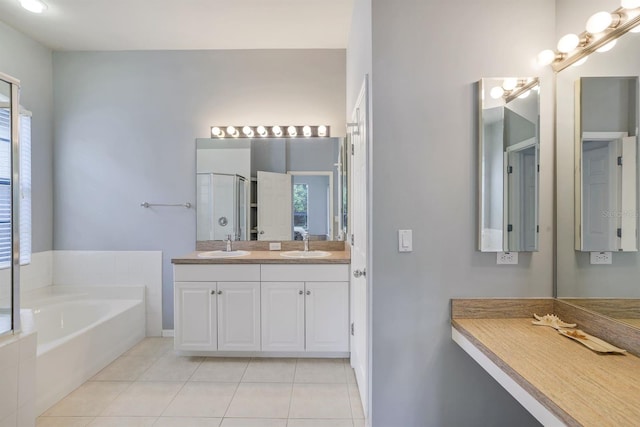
(235, 391)
(293, 383)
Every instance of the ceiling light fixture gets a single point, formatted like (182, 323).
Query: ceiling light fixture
(35, 6)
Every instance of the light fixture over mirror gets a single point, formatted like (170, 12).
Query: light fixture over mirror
(320, 131)
(601, 31)
(509, 158)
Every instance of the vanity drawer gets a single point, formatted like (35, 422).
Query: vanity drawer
(304, 273)
(216, 273)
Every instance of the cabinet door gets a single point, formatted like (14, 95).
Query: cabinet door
(239, 316)
(327, 316)
(282, 316)
(195, 316)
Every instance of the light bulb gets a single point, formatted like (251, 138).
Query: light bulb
(292, 131)
(322, 130)
(35, 6)
(262, 131)
(216, 131)
(306, 130)
(546, 57)
(580, 62)
(510, 84)
(232, 131)
(630, 4)
(599, 22)
(277, 130)
(568, 43)
(525, 95)
(247, 131)
(496, 92)
(607, 47)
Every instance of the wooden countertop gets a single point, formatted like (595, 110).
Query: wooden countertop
(266, 257)
(580, 387)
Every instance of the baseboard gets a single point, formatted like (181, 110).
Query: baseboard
(167, 333)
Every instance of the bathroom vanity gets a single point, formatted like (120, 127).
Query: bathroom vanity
(262, 304)
(559, 381)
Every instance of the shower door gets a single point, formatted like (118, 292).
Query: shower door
(9, 242)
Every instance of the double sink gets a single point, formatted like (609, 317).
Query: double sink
(288, 254)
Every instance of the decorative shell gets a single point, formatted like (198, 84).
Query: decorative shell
(551, 320)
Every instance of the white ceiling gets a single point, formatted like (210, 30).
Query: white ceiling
(184, 24)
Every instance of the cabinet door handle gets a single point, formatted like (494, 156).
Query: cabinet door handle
(213, 292)
(219, 292)
(308, 292)
(300, 292)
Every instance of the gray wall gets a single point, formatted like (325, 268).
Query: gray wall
(576, 276)
(31, 63)
(125, 130)
(425, 65)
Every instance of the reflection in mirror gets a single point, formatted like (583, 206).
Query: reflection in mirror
(606, 150)
(268, 188)
(609, 289)
(6, 265)
(509, 164)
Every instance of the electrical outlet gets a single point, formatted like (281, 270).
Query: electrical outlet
(600, 258)
(507, 258)
(275, 246)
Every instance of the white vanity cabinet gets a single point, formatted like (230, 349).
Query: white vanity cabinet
(314, 298)
(286, 308)
(217, 307)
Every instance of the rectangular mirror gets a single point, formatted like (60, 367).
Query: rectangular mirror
(269, 188)
(606, 155)
(509, 164)
(596, 98)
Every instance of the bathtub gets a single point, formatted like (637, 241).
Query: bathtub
(77, 337)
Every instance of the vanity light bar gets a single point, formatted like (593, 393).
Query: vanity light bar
(622, 20)
(290, 131)
(521, 89)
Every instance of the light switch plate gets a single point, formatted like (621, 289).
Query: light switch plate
(405, 240)
(600, 258)
(277, 246)
(507, 258)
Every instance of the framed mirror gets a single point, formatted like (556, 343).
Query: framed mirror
(509, 166)
(596, 194)
(274, 189)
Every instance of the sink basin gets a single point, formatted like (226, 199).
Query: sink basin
(303, 254)
(222, 254)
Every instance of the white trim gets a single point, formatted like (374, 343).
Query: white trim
(603, 136)
(167, 333)
(531, 142)
(530, 403)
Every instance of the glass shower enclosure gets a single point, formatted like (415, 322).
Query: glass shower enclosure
(9, 214)
(221, 206)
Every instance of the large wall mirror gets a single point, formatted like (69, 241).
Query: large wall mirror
(274, 189)
(509, 150)
(597, 182)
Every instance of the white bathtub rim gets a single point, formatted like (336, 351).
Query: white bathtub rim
(121, 306)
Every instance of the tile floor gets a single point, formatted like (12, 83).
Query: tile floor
(151, 386)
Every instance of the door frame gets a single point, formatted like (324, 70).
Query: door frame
(331, 204)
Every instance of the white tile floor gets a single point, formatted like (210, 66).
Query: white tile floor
(151, 386)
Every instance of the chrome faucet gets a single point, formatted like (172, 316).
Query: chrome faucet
(228, 243)
(306, 242)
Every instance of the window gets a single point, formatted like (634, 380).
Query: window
(300, 205)
(5, 186)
